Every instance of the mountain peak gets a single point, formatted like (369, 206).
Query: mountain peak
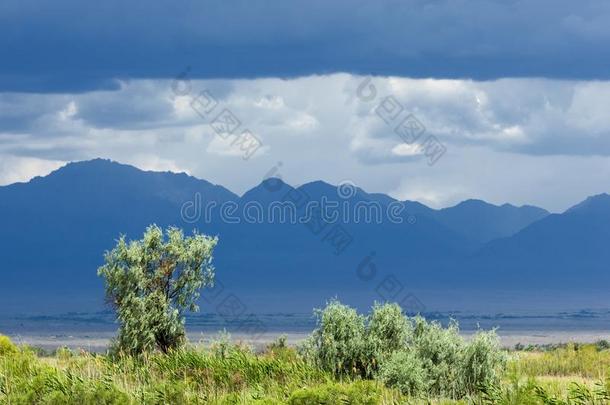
(270, 189)
(471, 203)
(318, 185)
(482, 222)
(595, 202)
(95, 162)
(94, 165)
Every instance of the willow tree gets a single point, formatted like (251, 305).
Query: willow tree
(152, 282)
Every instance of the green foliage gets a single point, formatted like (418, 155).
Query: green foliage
(346, 343)
(357, 393)
(388, 330)
(338, 343)
(151, 282)
(29, 381)
(437, 361)
(404, 371)
(410, 354)
(225, 373)
(64, 353)
(586, 360)
(185, 376)
(482, 362)
(280, 350)
(515, 392)
(6, 346)
(440, 352)
(530, 392)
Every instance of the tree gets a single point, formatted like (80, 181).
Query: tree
(151, 283)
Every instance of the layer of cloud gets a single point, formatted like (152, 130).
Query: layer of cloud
(70, 45)
(16, 169)
(507, 140)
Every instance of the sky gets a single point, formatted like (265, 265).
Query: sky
(514, 93)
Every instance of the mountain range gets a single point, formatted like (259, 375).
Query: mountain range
(56, 228)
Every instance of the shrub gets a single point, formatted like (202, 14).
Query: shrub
(347, 343)
(453, 367)
(602, 344)
(280, 350)
(440, 351)
(387, 332)
(404, 371)
(63, 353)
(410, 354)
(338, 342)
(482, 362)
(6, 346)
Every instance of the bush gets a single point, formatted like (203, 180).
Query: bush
(64, 353)
(280, 350)
(453, 367)
(404, 371)
(6, 346)
(482, 362)
(346, 343)
(602, 344)
(440, 351)
(338, 342)
(387, 332)
(410, 354)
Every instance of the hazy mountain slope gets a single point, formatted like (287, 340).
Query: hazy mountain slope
(482, 222)
(59, 226)
(567, 249)
(56, 228)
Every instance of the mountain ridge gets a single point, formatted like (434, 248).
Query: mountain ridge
(56, 228)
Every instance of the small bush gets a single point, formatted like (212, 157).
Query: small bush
(387, 332)
(6, 346)
(281, 351)
(64, 353)
(440, 351)
(602, 344)
(405, 372)
(482, 362)
(338, 343)
(453, 367)
(413, 355)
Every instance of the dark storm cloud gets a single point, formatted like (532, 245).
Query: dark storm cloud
(69, 45)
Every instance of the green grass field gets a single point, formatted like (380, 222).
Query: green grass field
(225, 373)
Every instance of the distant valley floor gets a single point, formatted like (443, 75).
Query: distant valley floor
(93, 331)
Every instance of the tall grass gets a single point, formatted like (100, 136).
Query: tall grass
(582, 360)
(185, 376)
(226, 373)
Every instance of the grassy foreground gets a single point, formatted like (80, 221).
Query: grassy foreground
(224, 373)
